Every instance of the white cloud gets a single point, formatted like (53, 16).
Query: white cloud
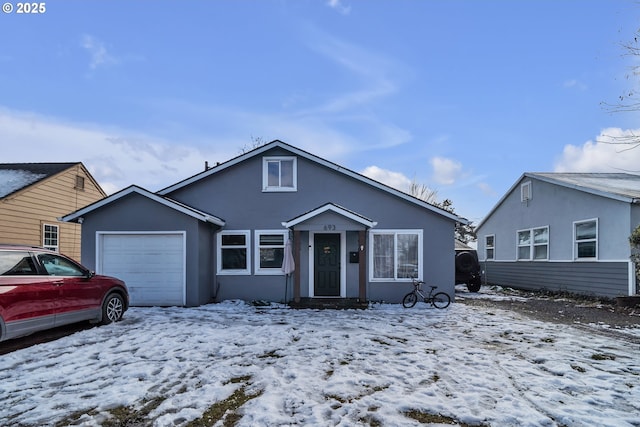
(574, 84)
(98, 52)
(115, 157)
(486, 189)
(445, 171)
(396, 180)
(337, 5)
(608, 153)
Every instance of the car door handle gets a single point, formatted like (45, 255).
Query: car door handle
(58, 283)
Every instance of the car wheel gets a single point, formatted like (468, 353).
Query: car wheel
(112, 309)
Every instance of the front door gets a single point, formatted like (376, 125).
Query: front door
(326, 265)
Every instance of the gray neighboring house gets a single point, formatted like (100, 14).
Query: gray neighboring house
(563, 232)
(223, 233)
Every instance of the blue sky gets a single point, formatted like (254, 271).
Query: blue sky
(463, 96)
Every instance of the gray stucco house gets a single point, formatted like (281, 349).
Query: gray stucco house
(563, 232)
(223, 234)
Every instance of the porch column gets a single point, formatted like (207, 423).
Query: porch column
(362, 265)
(296, 272)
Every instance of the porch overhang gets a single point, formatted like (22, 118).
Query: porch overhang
(330, 207)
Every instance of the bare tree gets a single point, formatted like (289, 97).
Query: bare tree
(463, 232)
(629, 101)
(256, 141)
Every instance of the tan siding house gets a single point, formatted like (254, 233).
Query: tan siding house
(34, 195)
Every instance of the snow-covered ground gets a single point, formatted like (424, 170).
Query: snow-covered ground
(328, 368)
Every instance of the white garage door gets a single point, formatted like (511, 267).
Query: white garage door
(152, 266)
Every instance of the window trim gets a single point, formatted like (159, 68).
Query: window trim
(575, 241)
(265, 174)
(395, 233)
(247, 246)
(532, 244)
(529, 194)
(492, 247)
(55, 247)
(276, 271)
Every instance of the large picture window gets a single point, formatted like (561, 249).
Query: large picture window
(585, 239)
(279, 174)
(233, 252)
(396, 254)
(533, 244)
(269, 251)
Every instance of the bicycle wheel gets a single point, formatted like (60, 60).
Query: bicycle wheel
(441, 300)
(409, 300)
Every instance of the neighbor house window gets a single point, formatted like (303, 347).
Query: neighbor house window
(525, 191)
(233, 252)
(489, 247)
(533, 244)
(585, 239)
(269, 251)
(396, 254)
(50, 237)
(279, 174)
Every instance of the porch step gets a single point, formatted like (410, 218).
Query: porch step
(330, 303)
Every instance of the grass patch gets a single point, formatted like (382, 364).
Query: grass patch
(602, 356)
(131, 416)
(578, 368)
(429, 418)
(226, 410)
(270, 354)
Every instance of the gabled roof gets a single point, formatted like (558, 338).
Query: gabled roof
(316, 159)
(18, 176)
(620, 186)
(333, 208)
(166, 201)
(624, 187)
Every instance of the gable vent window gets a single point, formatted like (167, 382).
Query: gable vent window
(279, 174)
(525, 192)
(79, 183)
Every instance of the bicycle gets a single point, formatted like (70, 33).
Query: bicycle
(437, 300)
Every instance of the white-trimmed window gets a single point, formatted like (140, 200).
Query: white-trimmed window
(269, 249)
(489, 247)
(585, 238)
(395, 254)
(279, 174)
(234, 256)
(525, 191)
(533, 244)
(50, 237)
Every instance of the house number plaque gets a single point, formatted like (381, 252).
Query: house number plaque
(329, 227)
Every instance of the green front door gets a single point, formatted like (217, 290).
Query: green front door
(326, 265)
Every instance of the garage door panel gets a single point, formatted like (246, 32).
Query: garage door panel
(152, 265)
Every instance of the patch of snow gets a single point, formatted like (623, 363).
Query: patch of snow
(12, 180)
(328, 368)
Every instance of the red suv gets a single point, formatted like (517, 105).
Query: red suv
(41, 289)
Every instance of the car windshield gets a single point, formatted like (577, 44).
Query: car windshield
(58, 266)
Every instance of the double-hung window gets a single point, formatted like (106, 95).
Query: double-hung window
(269, 251)
(234, 256)
(396, 254)
(533, 244)
(50, 237)
(585, 238)
(279, 174)
(489, 247)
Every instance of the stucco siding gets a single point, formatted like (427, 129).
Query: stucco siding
(609, 279)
